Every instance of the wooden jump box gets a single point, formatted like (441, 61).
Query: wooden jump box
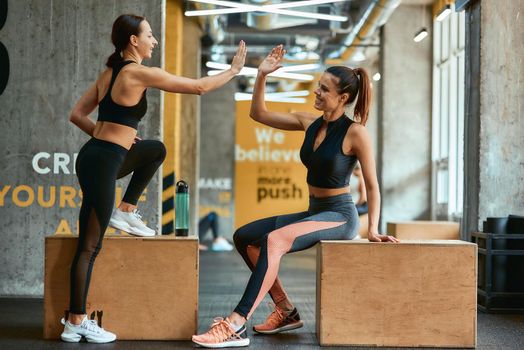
(141, 288)
(424, 229)
(410, 294)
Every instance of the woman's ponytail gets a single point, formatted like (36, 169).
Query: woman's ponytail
(114, 59)
(364, 96)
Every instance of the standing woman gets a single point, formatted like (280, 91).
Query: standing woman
(332, 145)
(114, 151)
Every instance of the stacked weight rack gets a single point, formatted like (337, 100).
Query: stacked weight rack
(501, 265)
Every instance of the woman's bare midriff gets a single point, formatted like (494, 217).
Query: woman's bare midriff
(319, 192)
(120, 134)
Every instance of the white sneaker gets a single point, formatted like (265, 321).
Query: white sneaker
(130, 222)
(221, 245)
(88, 329)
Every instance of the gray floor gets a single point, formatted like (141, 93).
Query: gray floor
(223, 275)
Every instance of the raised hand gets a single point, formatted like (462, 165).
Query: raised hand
(240, 58)
(272, 61)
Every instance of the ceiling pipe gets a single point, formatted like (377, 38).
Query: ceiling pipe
(210, 24)
(260, 21)
(374, 16)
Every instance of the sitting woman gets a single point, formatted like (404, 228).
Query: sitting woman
(332, 145)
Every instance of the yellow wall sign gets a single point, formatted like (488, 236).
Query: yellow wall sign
(270, 179)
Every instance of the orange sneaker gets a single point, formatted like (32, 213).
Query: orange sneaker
(279, 321)
(222, 335)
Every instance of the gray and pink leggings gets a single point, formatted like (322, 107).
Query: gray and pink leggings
(262, 243)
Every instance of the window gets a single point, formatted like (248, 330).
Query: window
(447, 152)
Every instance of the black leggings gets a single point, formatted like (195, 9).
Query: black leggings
(262, 243)
(99, 164)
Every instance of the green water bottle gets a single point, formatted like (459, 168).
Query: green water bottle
(182, 209)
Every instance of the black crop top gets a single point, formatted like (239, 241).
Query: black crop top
(327, 166)
(109, 111)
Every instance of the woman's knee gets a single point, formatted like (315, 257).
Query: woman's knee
(154, 149)
(276, 244)
(161, 149)
(237, 238)
(240, 238)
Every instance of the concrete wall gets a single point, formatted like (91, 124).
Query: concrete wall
(404, 131)
(57, 50)
(501, 165)
(217, 158)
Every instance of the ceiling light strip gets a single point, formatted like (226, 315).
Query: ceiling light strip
(260, 8)
(303, 3)
(294, 68)
(300, 67)
(215, 12)
(240, 96)
(272, 6)
(266, 8)
(300, 93)
(294, 76)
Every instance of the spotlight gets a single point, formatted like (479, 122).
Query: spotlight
(376, 76)
(359, 56)
(444, 13)
(420, 35)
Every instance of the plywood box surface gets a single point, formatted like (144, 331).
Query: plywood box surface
(412, 294)
(424, 229)
(141, 288)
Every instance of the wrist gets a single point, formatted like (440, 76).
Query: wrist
(373, 233)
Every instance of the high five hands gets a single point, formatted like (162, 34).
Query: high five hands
(240, 58)
(272, 61)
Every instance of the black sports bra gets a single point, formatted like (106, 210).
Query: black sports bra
(328, 166)
(109, 111)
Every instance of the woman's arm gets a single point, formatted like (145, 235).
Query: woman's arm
(160, 79)
(80, 113)
(259, 111)
(362, 148)
(362, 198)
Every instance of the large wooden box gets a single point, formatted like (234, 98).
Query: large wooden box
(410, 294)
(424, 229)
(141, 288)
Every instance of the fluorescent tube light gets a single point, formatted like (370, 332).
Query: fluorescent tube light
(249, 72)
(234, 7)
(303, 3)
(294, 68)
(281, 73)
(272, 97)
(299, 93)
(300, 67)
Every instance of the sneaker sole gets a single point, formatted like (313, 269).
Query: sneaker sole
(226, 344)
(99, 341)
(75, 338)
(71, 338)
(288, 327)
(124, 226)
